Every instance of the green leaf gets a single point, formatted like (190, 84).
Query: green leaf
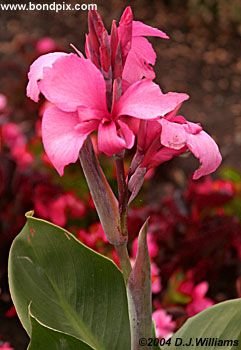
(218, 323)
(230, 174)
(71, 288)
(154, 335)
(43, 338)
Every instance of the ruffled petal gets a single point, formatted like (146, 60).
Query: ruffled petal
(163, 155)
(138, 61)
(141, 29)
(36, 72)
(126, 133)
(61, 138)
(206, 150)
(74, 82)
(87, 127)
(173, 135)
(133, 123)
(143, 49)
(142, 54)
(144, 100)
(147, 133)
(125, 32)
(109, 142)
(86, 114)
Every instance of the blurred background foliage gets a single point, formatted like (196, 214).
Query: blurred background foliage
(224, 13)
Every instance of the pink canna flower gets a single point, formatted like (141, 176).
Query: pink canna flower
(199, 301)
(79, 107)
(210, 193)
(176, 136)
(89, 95)
(130, 50)
(5, 346)
(36, 72)
(163, 323)
(14, 138)
(142, 56)
(95, 237)
(163, 139)
(50, 204)
(178, 133)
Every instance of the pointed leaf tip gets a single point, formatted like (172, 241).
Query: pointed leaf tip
(143, 232)
(29, 214)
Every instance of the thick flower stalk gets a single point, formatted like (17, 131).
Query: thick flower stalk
(110, 91)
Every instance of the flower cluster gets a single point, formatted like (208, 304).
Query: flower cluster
(112, 92)
(5, 346)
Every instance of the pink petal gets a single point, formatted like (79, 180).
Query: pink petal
(143, 49)
(61, 138)
(163, 155)
(86, 114)
(141, 54)
(171, 100)
(173, 135)
(148, 131)
(163, 323)
(135, 69)
(125, 31)
(192, 128)
(198, 305)
(138, 61)
(144, 100)
(126, 134)
(141, 29)
(135, 183)
(87, 127)
(36, 72)
(109, 142)
(74, 82)
(201, 289)
(206, 150)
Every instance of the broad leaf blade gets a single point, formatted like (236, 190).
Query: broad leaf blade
(221, 322)
(71, 288)
(43, 338)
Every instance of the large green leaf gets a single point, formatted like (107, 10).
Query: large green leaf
(43, 338)
(71, 288)
(209, 329)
